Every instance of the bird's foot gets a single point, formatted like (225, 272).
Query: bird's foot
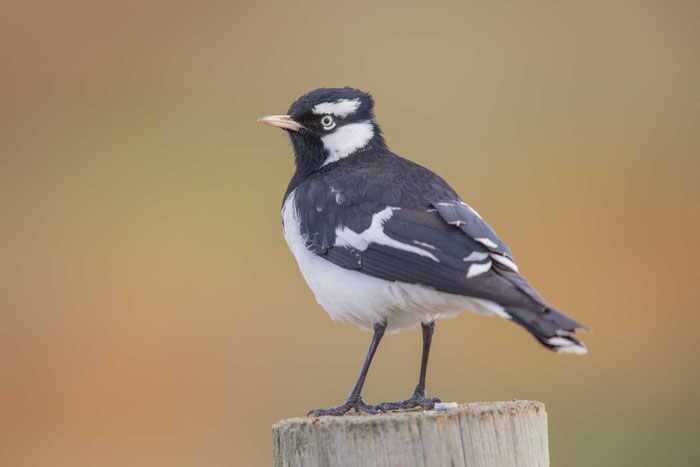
(352, 403)
(417, 399)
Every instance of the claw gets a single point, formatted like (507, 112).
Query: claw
(358, 404)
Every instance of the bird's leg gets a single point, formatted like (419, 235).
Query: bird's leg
(418, 398)
(354, 400)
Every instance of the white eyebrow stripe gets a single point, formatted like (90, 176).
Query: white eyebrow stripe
(340, 108)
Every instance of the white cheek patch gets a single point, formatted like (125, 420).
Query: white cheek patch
(340, 108)
(347, 139)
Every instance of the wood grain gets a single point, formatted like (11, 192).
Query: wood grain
(477, 434)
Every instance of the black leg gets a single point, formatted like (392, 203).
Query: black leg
(354, 400)
(418, 398)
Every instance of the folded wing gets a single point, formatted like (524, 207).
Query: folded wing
(445, 245)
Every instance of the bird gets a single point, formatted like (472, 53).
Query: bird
(386, 244)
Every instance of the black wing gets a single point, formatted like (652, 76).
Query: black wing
(419, 247)
(433, 239)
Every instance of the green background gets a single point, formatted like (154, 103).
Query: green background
(151, 312)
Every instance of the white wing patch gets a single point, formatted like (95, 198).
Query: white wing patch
(347, 139)
(486, 242)
(505, 261)
(476, 269)
(340, 108)
(346, 237)
(476, 256)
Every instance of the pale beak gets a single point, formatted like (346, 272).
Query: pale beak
(281, 121)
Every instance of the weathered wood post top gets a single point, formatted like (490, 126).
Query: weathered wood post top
(477, 434)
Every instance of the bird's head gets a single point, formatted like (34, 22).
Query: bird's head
(329, 124)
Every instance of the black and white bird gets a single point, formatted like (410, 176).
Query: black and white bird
(386, 244)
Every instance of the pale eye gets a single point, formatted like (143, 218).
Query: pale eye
(327, 122)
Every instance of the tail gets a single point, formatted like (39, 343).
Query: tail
(551, 328)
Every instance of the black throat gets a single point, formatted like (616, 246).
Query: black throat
(310, 154)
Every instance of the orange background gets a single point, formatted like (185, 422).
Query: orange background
(151, 313)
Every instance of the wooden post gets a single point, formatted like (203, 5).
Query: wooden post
(477, 434)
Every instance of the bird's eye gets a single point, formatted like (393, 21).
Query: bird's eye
(327, 122)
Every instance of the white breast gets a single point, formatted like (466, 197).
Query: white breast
(362, 300)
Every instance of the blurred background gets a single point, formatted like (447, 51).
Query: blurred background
(151, 312)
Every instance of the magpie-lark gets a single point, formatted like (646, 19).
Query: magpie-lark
(386, 244)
